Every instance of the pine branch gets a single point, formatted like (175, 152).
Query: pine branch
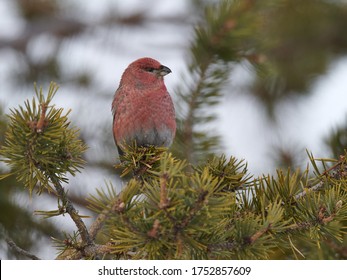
(188, 136)
(70, 209)
(258, 234)
(99, 223)
(19, 250)
(41, 149)
(171, 209)
(72, 251)
(164, 202)
(337, 171)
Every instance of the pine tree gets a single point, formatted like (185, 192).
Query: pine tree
(172, 209)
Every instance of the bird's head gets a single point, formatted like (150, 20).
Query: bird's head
(146, 71)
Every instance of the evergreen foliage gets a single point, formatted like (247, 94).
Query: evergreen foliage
(217, 211)
(171, 209)
(40, 146)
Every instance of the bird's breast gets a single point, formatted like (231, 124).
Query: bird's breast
(147, 119)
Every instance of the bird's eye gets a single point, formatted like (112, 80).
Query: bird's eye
(149, 69)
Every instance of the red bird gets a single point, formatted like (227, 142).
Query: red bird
(142, 108)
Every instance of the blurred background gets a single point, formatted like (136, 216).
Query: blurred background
(258, 80)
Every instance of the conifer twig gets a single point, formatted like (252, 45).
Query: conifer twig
(19, 250)
(314, 188)
(199, 203)
(70, 209)
(334, 167)
(118, 206)
(154, 231)
(189, 121)
(41, 122)
(229, 246)
(164, 202)
(326, 173)
(258, 234)
(98, 223)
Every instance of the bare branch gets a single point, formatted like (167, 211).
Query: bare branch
(70, 209)
(19, 250)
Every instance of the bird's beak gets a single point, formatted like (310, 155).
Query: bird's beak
(163, 70)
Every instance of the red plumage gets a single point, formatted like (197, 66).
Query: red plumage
(142, 108)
